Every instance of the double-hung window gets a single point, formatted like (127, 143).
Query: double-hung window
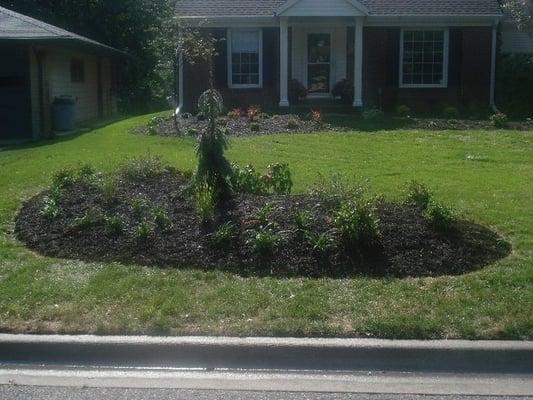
(424, 58)
(245, 58)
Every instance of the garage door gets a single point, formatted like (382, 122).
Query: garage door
(15, 99)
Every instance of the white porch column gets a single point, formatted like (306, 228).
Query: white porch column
(284, 62)
(358, 64)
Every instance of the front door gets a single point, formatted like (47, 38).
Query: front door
(318, 63)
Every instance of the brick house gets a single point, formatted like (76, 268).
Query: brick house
(423, 53)
(40, 62)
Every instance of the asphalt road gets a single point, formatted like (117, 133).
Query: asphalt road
(12, 392)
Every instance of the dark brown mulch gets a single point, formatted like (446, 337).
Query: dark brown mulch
(240, 126)
(408, 247)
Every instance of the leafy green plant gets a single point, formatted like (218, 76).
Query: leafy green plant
(193, 132)
(265, 241)
(162, 220)
(247, 180)
(440, 216)
(114, 225)
(280, 178)
(292, 123)
(87, 172)
(64, 178)
(403, 111)
(418, 194)
(255, 127)
(321, 243)
(153, 125)
(90, 218)
(264, 213)
(450, 112)
(141, 168)
(144, 231)
(499, 120)
(223, 235)
(373, 115)
(335, 189)
(205, 202)
(357, 223)
(302, 219)
(139, 206)
(51, 208)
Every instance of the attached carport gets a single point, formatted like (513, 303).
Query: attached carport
(15, 93)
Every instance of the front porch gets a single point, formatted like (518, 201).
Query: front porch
(318, 53)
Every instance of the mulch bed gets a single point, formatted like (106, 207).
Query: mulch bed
(279, 123)
(408, 247)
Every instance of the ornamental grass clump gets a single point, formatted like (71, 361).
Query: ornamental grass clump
(417, 194)
(223, 235)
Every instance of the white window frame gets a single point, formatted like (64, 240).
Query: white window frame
(445, 60)
(230, 60)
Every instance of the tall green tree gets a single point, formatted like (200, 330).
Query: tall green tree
(521, 11)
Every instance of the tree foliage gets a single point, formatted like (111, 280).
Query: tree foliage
(133, 26)
(521, 11)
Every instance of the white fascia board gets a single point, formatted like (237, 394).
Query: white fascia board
(289, 4)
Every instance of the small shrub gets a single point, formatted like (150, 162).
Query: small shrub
(292, 123)
(142, 168)
(296, 91)
(281, 182)
(89, 219)
(335, 189)
(247, 180)
(264, 213)
(344, 90)
(255, 127)
(192, 132)
(64, 178)
(418, 194)
(200, 116)
(403, 111)
(253, 113)
(51, 209)
(153, 125)
(265, 241)
(86, 172)
(114, 225)
(321, 243)
(450, 112)
(223, 235)
(235, 113)
(302, 219)
(144, 231)
(139, 206)
(357, 223)
(316, 117)
(373, 115)
(440, 216)
(205, 202)
(499, 120)
(162, 220)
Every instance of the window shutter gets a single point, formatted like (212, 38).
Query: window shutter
(221, 60)
(455, 57)
(269, 56)
(393, 57)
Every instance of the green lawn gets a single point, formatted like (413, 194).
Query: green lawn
(487, 175)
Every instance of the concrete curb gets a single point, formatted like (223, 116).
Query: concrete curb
(269, 353)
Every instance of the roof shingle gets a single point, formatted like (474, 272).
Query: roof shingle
(265, 8)
(18, 26)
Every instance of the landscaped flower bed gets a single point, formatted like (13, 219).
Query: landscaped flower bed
(146, 213)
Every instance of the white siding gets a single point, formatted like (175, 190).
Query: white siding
(60, 84)
(322, 8)
(517, 42)
(338, 52)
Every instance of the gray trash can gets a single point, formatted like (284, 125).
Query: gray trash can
(64, 108)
